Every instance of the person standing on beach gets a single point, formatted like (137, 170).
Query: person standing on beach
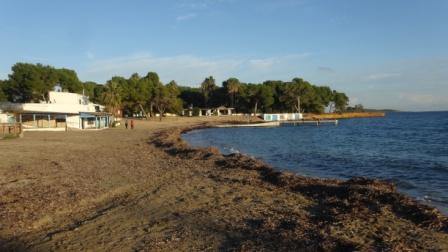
(126, 123)
(132, 124)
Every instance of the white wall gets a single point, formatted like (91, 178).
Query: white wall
(73, 122)
(3, 118)
(67, 98)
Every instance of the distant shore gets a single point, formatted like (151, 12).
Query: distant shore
(345, 115)
(147, 189)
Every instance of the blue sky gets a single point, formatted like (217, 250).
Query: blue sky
(382, 53)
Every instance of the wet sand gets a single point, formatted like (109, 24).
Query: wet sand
(146, 190)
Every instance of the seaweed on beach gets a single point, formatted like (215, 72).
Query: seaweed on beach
(338, 205)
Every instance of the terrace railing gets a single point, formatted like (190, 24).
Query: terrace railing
(10, 129)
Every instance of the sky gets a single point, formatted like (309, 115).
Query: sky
(381, 53)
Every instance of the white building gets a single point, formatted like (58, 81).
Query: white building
(282, 117)
(62, 111)
(3, 117)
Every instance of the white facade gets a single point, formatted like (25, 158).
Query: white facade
(67, 98)
(59, 102)
(283, 117)
(3, 117)
(62, 111)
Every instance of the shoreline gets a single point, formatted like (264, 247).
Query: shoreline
(420, 201)
(162, 194)
(382, 193)
(344, 115)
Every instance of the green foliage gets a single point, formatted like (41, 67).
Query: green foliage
(232, 85)
(259, 96)
(165, 98)
(207, 88)
(2, 93)
(68, 80)
(98, 91)
(340, 101)
(196, 111)
(191, 97)
(89, 89)
(111, 97)
(356, 108)
(31, 83)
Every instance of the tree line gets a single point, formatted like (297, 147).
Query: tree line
(147, 94)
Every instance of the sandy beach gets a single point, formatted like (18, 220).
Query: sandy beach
(147, 190)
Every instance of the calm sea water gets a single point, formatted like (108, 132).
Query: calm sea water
(408, 149)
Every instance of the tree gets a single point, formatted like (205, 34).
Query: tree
(166, 98)
(2, 93)
(340, 101)
(356, 108)
(175, 105)
(233, 86)
(260, 96)
(30, 82)
(68, 80)
(111, 97)
(98, 93)
(148, 86)
(191, 96)
(207, 87)
(359, 108)
(142, 94)
(297, 95)
(89, 89)
(325, 95)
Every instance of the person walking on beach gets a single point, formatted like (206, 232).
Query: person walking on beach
(126, 123)
(132, 124)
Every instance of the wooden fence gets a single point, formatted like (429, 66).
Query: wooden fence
(10, 129)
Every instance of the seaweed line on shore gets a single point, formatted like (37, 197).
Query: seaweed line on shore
(336, 198)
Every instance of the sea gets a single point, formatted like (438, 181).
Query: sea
(409, 149)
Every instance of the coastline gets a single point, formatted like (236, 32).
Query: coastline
(351, 197)
(162, 194)
(345, 115)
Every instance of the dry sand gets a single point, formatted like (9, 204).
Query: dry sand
(146, 189)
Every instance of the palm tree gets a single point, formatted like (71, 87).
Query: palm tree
(112, 97)
(233, 87)
(207, 87)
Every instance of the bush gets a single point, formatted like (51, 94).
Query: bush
(196, 111)
(115, 124)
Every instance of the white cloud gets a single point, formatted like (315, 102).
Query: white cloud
(382, 76)
(90, 55)
(200, 4)
(191, 69)
(262, 64)
(423, 98)
(325, 69)
(270, 6)
(33, 59)
(186, 17)
(354, 101)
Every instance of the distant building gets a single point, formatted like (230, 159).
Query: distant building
(62, 111)
(282, 117)
(219, 111)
